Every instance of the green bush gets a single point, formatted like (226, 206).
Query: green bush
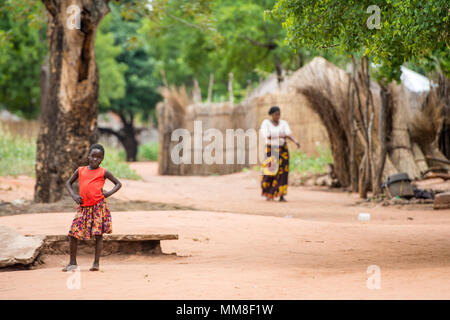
(301, 163)
(114, 162)
(18, 157)
(148, 152)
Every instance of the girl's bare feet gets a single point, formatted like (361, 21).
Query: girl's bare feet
(95, 267)
(282, 199)
(70, 267)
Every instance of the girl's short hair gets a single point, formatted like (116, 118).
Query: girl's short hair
(274, 109)
(97, 146)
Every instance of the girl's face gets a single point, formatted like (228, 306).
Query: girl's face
(276, 116)
(95, 158)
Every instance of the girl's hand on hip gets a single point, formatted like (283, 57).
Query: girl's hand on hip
(105, 193)
(77, 199)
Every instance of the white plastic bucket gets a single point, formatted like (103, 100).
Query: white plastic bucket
(364, 217)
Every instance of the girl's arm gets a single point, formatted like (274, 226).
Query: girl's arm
(72, 193)
(117, 183)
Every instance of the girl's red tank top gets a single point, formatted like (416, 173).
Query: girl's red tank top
(91, 183)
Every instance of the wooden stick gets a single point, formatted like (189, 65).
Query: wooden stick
(210, 87)
(444, 176)
(438, 160)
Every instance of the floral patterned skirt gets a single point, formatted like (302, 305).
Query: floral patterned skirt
(91, 221)
(275, 167)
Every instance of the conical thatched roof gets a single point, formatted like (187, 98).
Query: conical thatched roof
(326, 89)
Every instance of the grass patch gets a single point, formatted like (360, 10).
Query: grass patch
(256, 168)
(299, 162)
(148, 151)
(18, 157)
(114, 162)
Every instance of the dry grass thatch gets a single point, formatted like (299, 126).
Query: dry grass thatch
(177, 98)
(325, 89)
(426, 123)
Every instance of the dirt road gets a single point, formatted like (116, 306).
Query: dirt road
(238, 246)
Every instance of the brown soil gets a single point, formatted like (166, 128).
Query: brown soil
(236, 245)
(68, 205)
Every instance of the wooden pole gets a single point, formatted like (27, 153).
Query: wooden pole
(353, 167)
(230, 88)
(196, 92)
(210, 87)
(249, 88)
(164, 79)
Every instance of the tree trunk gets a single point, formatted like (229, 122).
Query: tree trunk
(363, 177)
(130, 143)
(126, 135)
(278, 68)
(69, 119)
(45, 82)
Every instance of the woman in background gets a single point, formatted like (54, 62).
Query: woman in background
(275, 167)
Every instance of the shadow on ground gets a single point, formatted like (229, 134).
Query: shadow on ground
(68, 205)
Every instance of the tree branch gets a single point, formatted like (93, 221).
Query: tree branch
(330, 46)
(184, 22)
(110, 131)
(121, 115)
(268, 45)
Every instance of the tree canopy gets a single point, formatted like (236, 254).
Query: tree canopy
(231, 37)
(139, 40)
(127, 82)
(408, 28)
(22, 50)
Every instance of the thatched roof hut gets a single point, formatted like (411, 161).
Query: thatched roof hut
(315, 101)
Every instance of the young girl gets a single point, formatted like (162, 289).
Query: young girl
(93, 217)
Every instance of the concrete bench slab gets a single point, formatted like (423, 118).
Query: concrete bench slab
(15, 249)
(140, 244)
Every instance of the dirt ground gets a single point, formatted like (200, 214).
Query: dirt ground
(236, 245)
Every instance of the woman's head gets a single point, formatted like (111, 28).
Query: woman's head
(96, 154)
(275, 113)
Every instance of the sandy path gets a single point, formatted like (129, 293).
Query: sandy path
(311, 247)
(240, 193)
(226, 256)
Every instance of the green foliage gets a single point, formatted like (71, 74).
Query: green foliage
(301, 163)
(182, 48)
(112, 79)
(17, 155)
(429, 65)
(140, 87)
(231, 37)
(408, 29)
(114, 162)
(148, 151)
(23, 47)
